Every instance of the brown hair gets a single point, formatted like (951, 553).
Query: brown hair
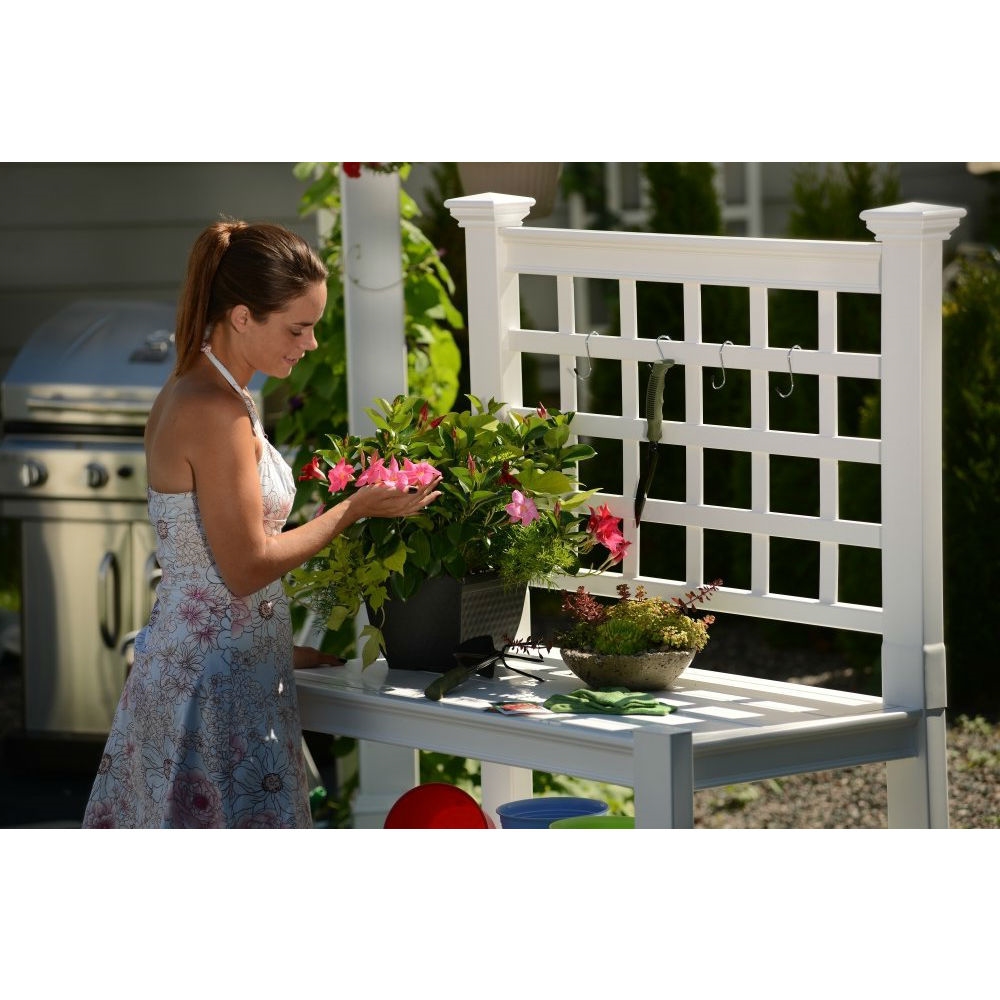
(259, 265)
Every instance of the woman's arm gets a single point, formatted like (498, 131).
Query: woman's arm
(223, 456)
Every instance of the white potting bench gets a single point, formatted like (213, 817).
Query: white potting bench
(727, 728)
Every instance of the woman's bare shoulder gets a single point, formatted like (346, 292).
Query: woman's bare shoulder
(190, 421)
(193, 400)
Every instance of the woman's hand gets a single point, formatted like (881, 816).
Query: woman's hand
(306, 657)
(379, 500)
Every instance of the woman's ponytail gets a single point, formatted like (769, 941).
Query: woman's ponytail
(193, 310)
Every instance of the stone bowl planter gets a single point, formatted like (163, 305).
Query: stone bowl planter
(654, 670)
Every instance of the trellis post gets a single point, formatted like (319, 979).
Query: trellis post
(494, 295)
(913, 655)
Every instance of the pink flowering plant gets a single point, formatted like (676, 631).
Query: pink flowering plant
(511, 504)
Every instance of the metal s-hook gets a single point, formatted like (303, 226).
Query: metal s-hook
(662, 336)
(590, 362)
(791, 375)
(722, 365)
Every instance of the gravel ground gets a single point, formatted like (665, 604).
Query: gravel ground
(850, 798)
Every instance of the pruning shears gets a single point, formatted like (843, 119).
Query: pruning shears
(654, 431)
(474, 656)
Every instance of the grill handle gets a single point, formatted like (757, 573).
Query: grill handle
(108, 571)
(124, 407)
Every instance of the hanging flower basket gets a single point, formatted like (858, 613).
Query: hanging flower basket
(533, 180)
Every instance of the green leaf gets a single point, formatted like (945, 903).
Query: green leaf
(552, 483)
(578, 453)
(372, 645)
(336, 618)
(395, 562)
(420, 549)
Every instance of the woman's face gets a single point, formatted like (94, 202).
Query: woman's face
(286, 334)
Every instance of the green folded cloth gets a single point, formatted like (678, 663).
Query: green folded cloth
(607, 700)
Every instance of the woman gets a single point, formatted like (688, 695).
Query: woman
(207, 732)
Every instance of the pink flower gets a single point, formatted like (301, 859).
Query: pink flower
(521, 508)
(420, 474)
(375, 473)
(340, 475)
(506, 479)
(603, 523)
(606, 529)
(394, 477)
(311, 470)
(617, 546)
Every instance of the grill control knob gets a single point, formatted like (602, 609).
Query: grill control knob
(33, 473)
(97, 475)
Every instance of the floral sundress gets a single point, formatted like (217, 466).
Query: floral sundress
(207, 731)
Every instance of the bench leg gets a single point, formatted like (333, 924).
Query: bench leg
(501, 783)
(663, 779)
(918, 786)
(386, 772)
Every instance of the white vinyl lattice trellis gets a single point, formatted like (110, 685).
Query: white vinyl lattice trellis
(903, 268)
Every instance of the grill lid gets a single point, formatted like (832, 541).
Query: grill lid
(95, 363)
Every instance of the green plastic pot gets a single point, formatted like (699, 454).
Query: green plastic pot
(594, 823)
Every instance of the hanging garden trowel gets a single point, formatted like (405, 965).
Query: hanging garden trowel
(654, 431)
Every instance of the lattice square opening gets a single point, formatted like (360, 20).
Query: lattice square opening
(860, 491)
(539, 380)
(725, 314)
(858, 407)
(728, 405)
(602, 391)
(798, 409)
(792, 318)
(662, 551)
(670, 479)
(794, 485)
(660, 309)
(540, 291)
(604, 470)
(726, 478)
(860, 578)
(596, 304)
(859, 323)
(794, 567)
(727, 556)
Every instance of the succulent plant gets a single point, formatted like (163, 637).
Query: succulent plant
(635, 624)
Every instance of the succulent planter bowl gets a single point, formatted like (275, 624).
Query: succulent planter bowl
(654, 670)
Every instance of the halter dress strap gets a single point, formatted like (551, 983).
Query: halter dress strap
(244, 393)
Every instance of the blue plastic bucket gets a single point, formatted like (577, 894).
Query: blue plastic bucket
(539, 813)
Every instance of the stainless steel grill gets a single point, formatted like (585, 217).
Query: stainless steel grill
(73, 473)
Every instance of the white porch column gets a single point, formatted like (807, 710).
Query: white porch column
(373, 292)
(376, 367)
(913, 656)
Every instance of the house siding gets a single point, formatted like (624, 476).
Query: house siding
(118, 230)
